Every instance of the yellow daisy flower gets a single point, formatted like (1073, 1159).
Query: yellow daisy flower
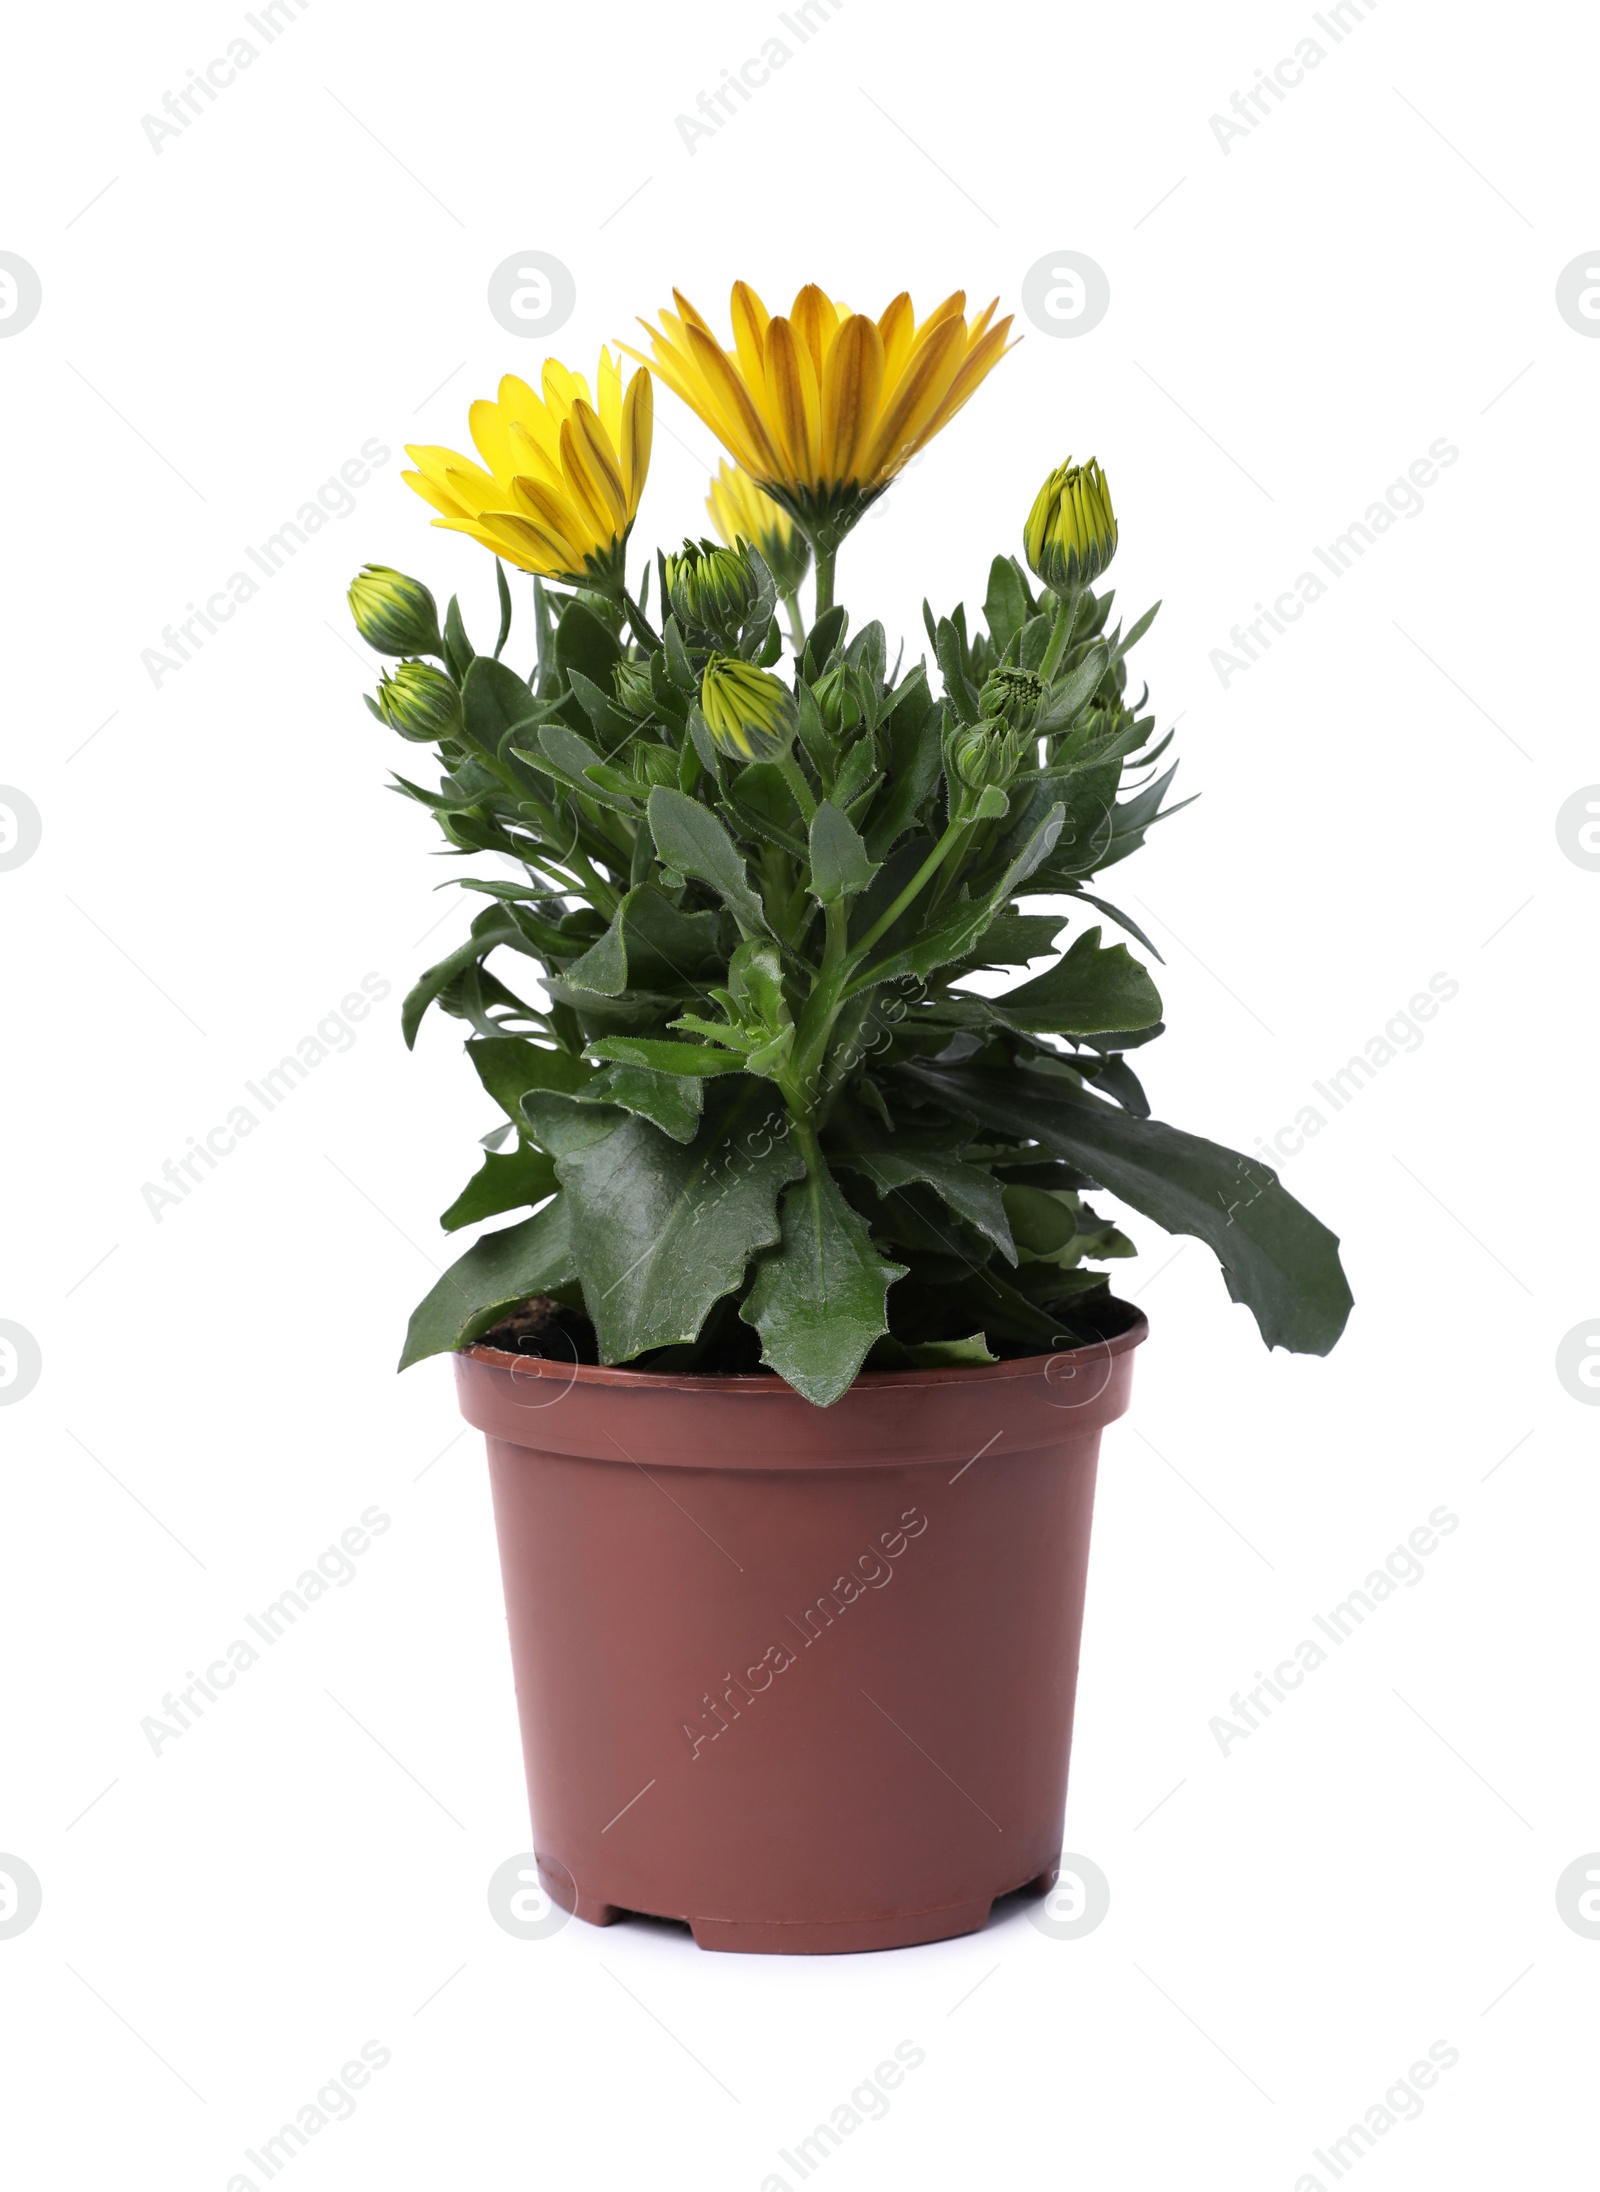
(823, 407)
(561, 478)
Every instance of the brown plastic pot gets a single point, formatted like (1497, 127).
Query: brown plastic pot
(802, 1677)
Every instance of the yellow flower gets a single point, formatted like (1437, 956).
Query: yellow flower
(824, 407)
(740, 511)
(564, 474)
(1071, 533)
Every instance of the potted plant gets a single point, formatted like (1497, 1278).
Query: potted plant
(793, 1374)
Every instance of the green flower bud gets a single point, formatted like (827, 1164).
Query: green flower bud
(652, 765)
(420, 702)
(1071, 533)
(393, 613)
(835, 700)
(631, 686)
(711, 589)
(988, 754)
(749, 712)
(1011, 696)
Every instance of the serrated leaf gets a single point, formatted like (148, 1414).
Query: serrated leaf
(1091, 990)
(819, 1300)
(671, 1101)
(649, 945)
(492, 1277)
(691, 839)
(970, 1192)
(697, 1059)
(1276, 1258)
(840, 867)
(664, 1231)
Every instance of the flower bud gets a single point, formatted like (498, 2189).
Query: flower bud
(988, 754)
(1071, 533)
(633, 690)
(393, 613)
(1011, 697)
(749, 712)
(711, 589)
(420, 702)
(836, 703)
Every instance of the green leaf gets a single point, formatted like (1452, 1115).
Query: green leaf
(916, 758)
(818, 1301)
(502, 1183)
(1277, 1259)
(492, 1277)
(691, 839)
(1069, 695)
(665, 1231)
(1013, 938)
(970, 1192)
(491, 928)
(508, 1067)
(649, 945)
(457, 646)
(1091, 990)
(697, 1059)
(504, 591)
(892, 1354)
(959, 931)
(1008, 605)
(564, 1124)
(840, 867)
(1042, 1222)
(765, 806)
(583, 643)
(1123, 921)
(494, 700)
(670, 1101)
(826, 634)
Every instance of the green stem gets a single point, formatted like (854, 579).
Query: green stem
(797, 623)
(826, 553)
(930, 867)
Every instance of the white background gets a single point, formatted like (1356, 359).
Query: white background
(304, 268)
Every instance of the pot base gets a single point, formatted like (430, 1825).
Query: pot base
(801, 1937)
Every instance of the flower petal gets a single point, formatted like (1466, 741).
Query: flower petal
(933, 366)
(750, 322)
(815, 318)
(851, 388)
(591, 473)
(638, 421)
(749, 441)
(793, 402)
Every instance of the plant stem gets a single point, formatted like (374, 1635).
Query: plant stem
(826, 553)
(797, 623)
(930, 867)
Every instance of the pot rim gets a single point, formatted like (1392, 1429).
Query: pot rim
(619, 1377)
